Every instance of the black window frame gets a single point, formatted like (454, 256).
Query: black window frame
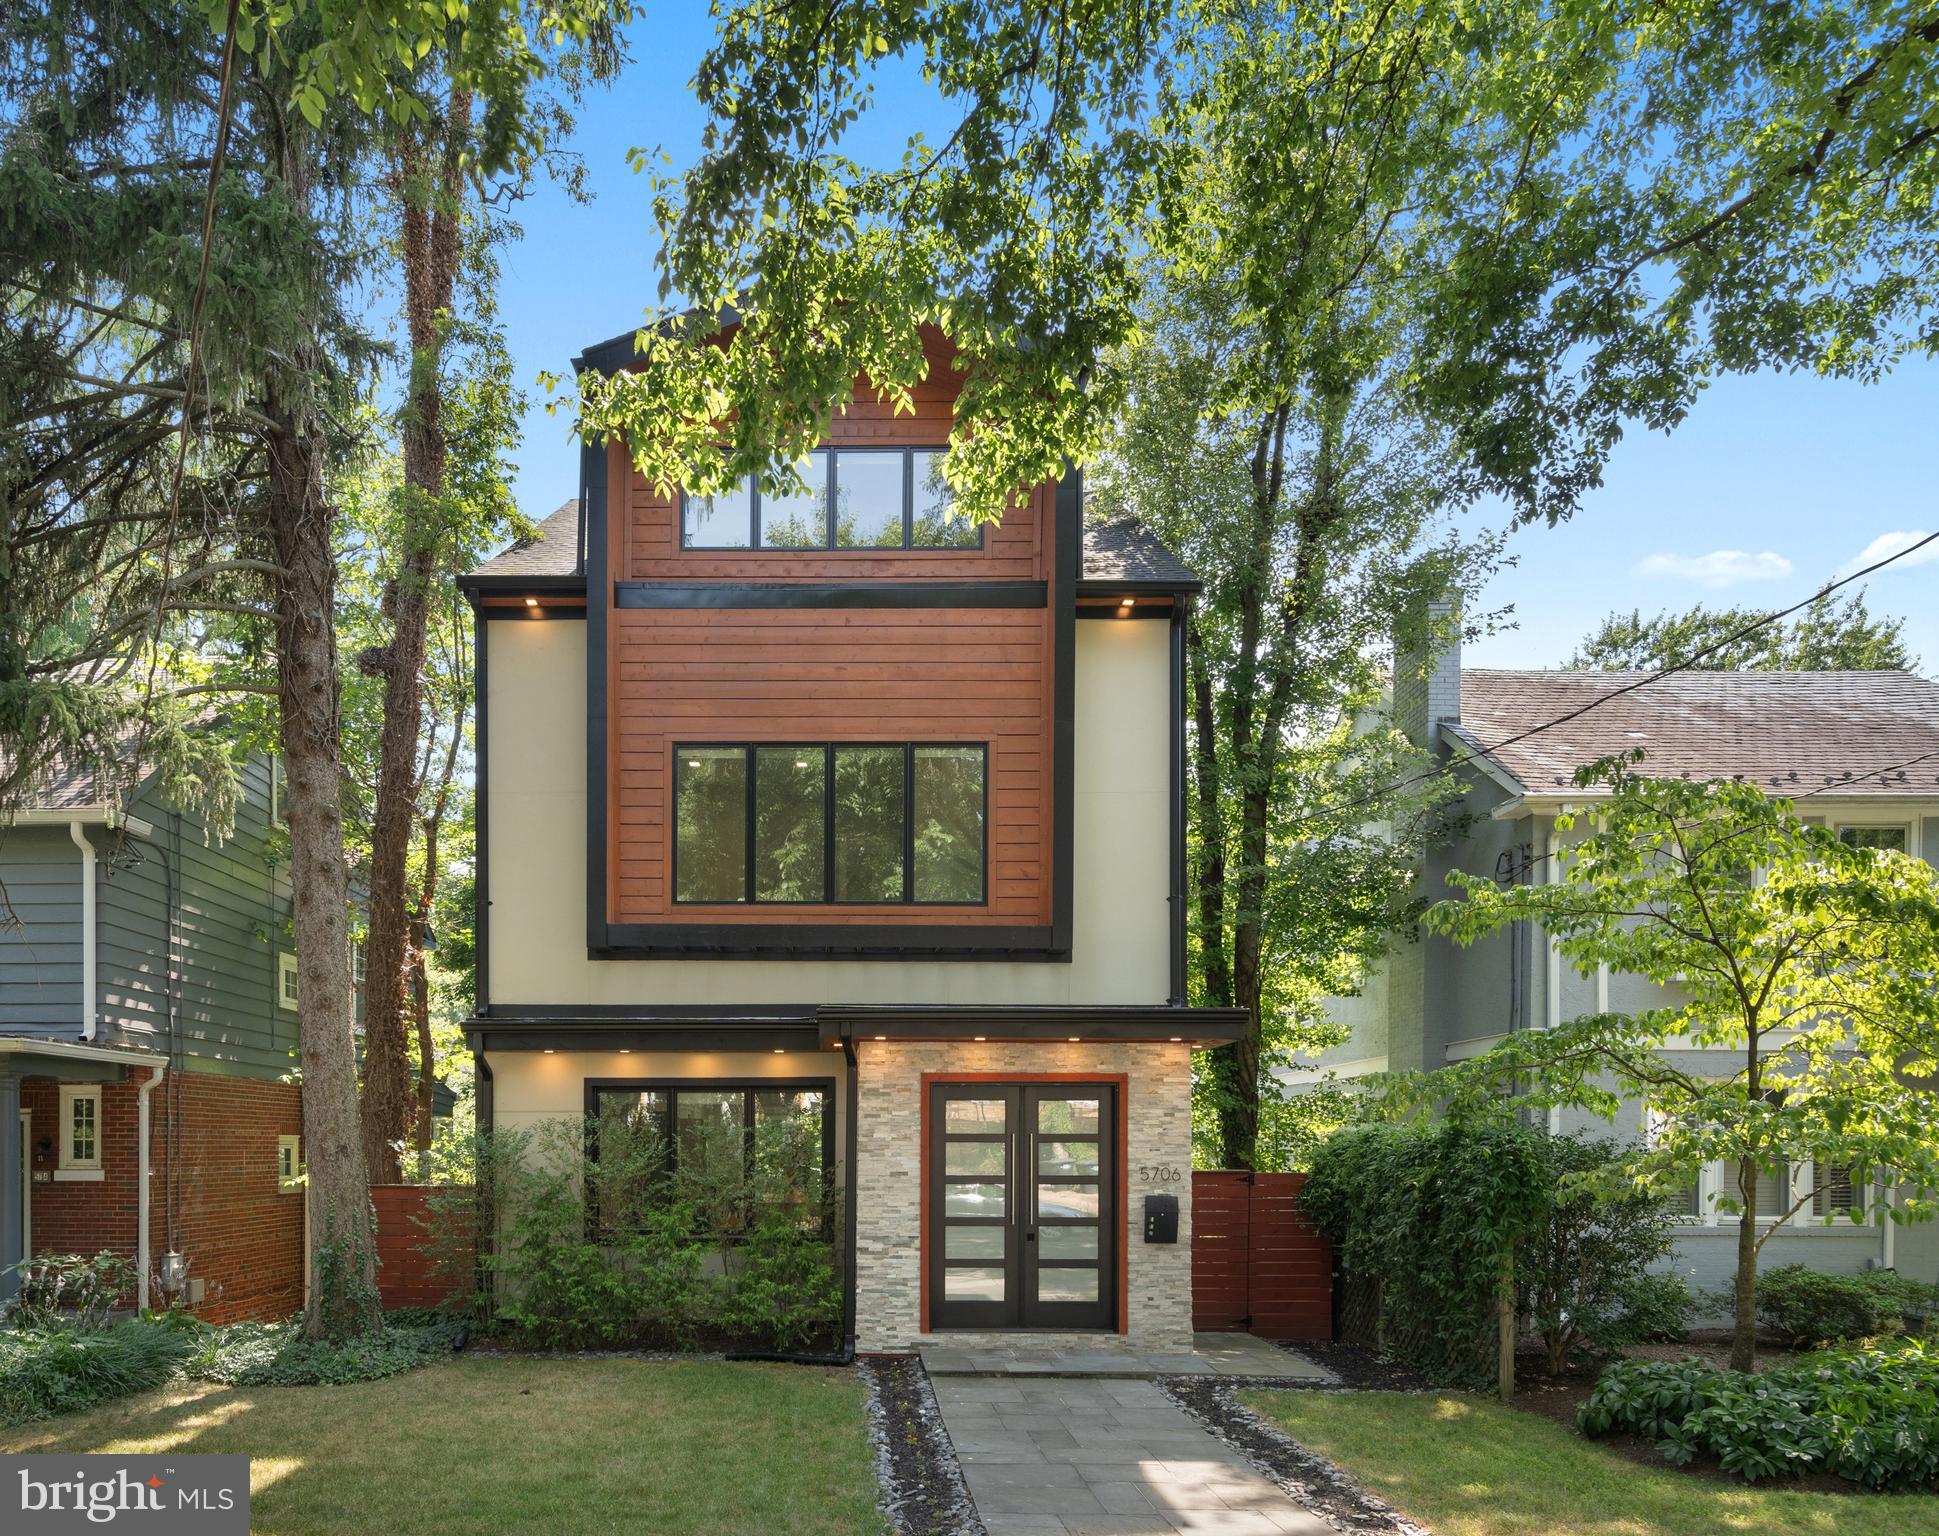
(750, 855)
(672, 1087)
(831, 489)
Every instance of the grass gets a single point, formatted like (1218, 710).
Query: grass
(510, 1446)
(1465, 1466)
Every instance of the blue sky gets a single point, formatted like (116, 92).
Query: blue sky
(1773, 485)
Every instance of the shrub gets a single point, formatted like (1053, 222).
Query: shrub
(1804, 1307)
(66, 1290)
(1656, 1308)
(279, 1355)
(64, 1370)
(1583, 1268)
(1432, 1214)
(1867, 1415)
(784, 1287)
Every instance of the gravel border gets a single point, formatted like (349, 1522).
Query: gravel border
(1308, 1479)
(923, 1493)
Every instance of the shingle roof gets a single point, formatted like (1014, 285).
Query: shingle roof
(1113, 552)
(1791, 732)
(1126, 551)
(552, 551)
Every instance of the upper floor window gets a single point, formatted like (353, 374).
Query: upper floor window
(856, 824)
(880, 498)
(286, 980)
(1893, 838)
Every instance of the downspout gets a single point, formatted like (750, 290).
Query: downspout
(155, 1076)
(1176, 898)
(87, 927)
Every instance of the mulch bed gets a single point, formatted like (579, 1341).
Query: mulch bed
(922, 1486)
(1358, 1369)
(1308, 1479)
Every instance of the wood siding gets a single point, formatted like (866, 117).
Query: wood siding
(678, 676)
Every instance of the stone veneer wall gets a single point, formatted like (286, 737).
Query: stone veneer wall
(1158, 1125)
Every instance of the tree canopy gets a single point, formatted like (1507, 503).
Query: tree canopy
(1829, 636)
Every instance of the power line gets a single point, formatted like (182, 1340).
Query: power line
(1686, 664)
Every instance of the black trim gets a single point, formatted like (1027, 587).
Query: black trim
(502, 1035)
(614, 353)
(830, 594)
(828, 941)
(505, 615)
(593, 460)
(1175, 897)
(850, 1143)
(481, 831)
(483, 1120)
(1112, 586)
(513, 584)
(950, 1021)
(1121, 612)
(1069, 530)
(647, 1013)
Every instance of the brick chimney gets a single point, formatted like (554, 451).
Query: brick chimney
(1427, 669)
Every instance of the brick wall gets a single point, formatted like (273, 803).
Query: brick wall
(242, 1234)
(888, 1264)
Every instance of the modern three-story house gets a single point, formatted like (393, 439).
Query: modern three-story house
(834, 806)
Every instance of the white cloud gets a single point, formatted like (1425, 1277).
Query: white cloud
(1719, 568)
(1888, 544)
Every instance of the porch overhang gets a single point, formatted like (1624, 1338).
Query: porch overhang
(1157, 1023)
(41, 1056)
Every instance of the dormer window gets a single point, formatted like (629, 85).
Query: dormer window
(882, 498)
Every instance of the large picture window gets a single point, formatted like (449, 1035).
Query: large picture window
(732, 1149)
(856, 498)
(858, 824)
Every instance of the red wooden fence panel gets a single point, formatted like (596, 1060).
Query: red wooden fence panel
(408, 1275)
(1257, 1264)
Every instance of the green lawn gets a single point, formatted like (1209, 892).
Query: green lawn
(1465, 1466)
(510, 1446)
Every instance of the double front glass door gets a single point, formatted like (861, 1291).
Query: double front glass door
(1023, 1205)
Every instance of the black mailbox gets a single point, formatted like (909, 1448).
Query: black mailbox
(1161, 1218)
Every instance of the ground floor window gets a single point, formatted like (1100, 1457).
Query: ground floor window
(80, 1133)
(734, 1150)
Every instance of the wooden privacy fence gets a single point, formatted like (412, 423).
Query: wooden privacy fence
(1257, 1264)
(415, 1267)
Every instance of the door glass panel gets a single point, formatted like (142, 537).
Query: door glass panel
(973, 1200)
(1067, 1285)
(1067, 1200)
(973, 1157)
(1067, 1242)
(974, 1116)
(979, 1284)
(1072, 1159)
(1067, 1117)
(972, 1242)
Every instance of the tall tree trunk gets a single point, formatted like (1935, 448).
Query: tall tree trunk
(343, 1275)
(430, 239)
(1743, 1327)
(427, 897)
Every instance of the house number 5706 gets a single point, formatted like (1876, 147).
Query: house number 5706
(1160, 1173)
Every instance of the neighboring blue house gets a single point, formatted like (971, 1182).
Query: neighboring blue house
(148, 1028)
(1433, 1002)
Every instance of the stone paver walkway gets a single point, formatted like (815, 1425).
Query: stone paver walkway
(1213, 1354)
(1103, 1457)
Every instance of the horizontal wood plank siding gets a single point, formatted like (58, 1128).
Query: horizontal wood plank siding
(677, 675)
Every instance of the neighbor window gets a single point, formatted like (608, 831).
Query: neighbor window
(285, 979)
(732, 1149)
(289, 1163)
(80, 1150)
(1834, 1190)
(855, 498)
(1893, 838)
(856, 824)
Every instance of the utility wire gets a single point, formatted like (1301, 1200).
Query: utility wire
(1685, 665)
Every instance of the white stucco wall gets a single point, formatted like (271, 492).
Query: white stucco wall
(536, 746)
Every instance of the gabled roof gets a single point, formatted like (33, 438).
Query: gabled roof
(553, 549)
(1120, 555)
(1127, 554)
(1787, 732)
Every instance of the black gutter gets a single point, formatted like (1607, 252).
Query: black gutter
(1176, 898)
(1108, 586)
(849, 1152)
(1103, 1022)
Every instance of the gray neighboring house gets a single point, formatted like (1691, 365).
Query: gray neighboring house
(1790, 733)
(148, 1024)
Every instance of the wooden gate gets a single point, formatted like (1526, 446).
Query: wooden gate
(415, 1269)
(1257, 1265)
